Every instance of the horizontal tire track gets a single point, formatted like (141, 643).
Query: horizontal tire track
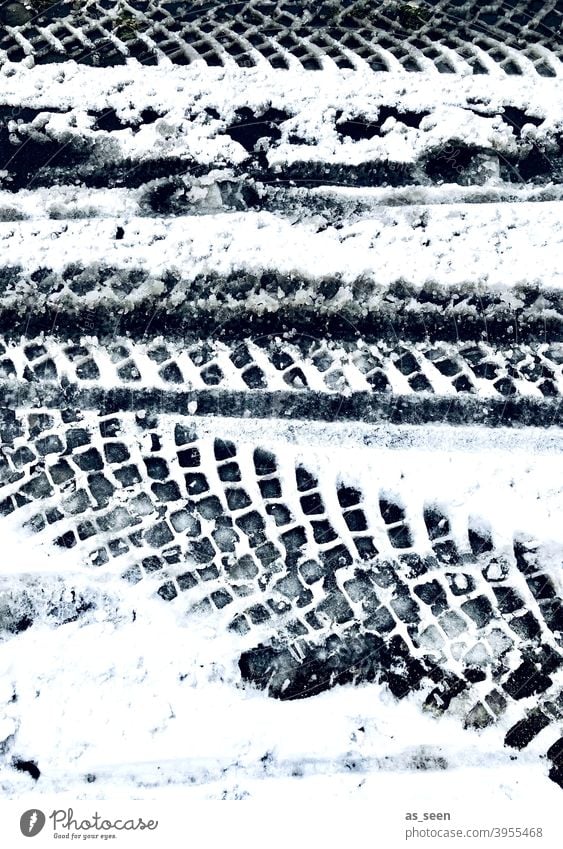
(314, 406)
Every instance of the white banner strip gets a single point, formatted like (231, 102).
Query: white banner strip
(378, 823)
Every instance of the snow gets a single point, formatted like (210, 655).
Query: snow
(142, 699)
(343, 372)
(132, 87)
(478, 246)
(80, 686)
(462, 109)
(80, 689)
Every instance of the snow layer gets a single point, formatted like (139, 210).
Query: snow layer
(130, 88)
(148, 702)
(144, 705)
(483, 246)
(464, 109)
(70, 202)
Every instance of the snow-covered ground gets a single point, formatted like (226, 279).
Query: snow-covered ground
(133, 702)
(479, 247)
(113, 692)
(138, 699)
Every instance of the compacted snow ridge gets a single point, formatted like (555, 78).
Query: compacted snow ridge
(476, 249)
(281, 352)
